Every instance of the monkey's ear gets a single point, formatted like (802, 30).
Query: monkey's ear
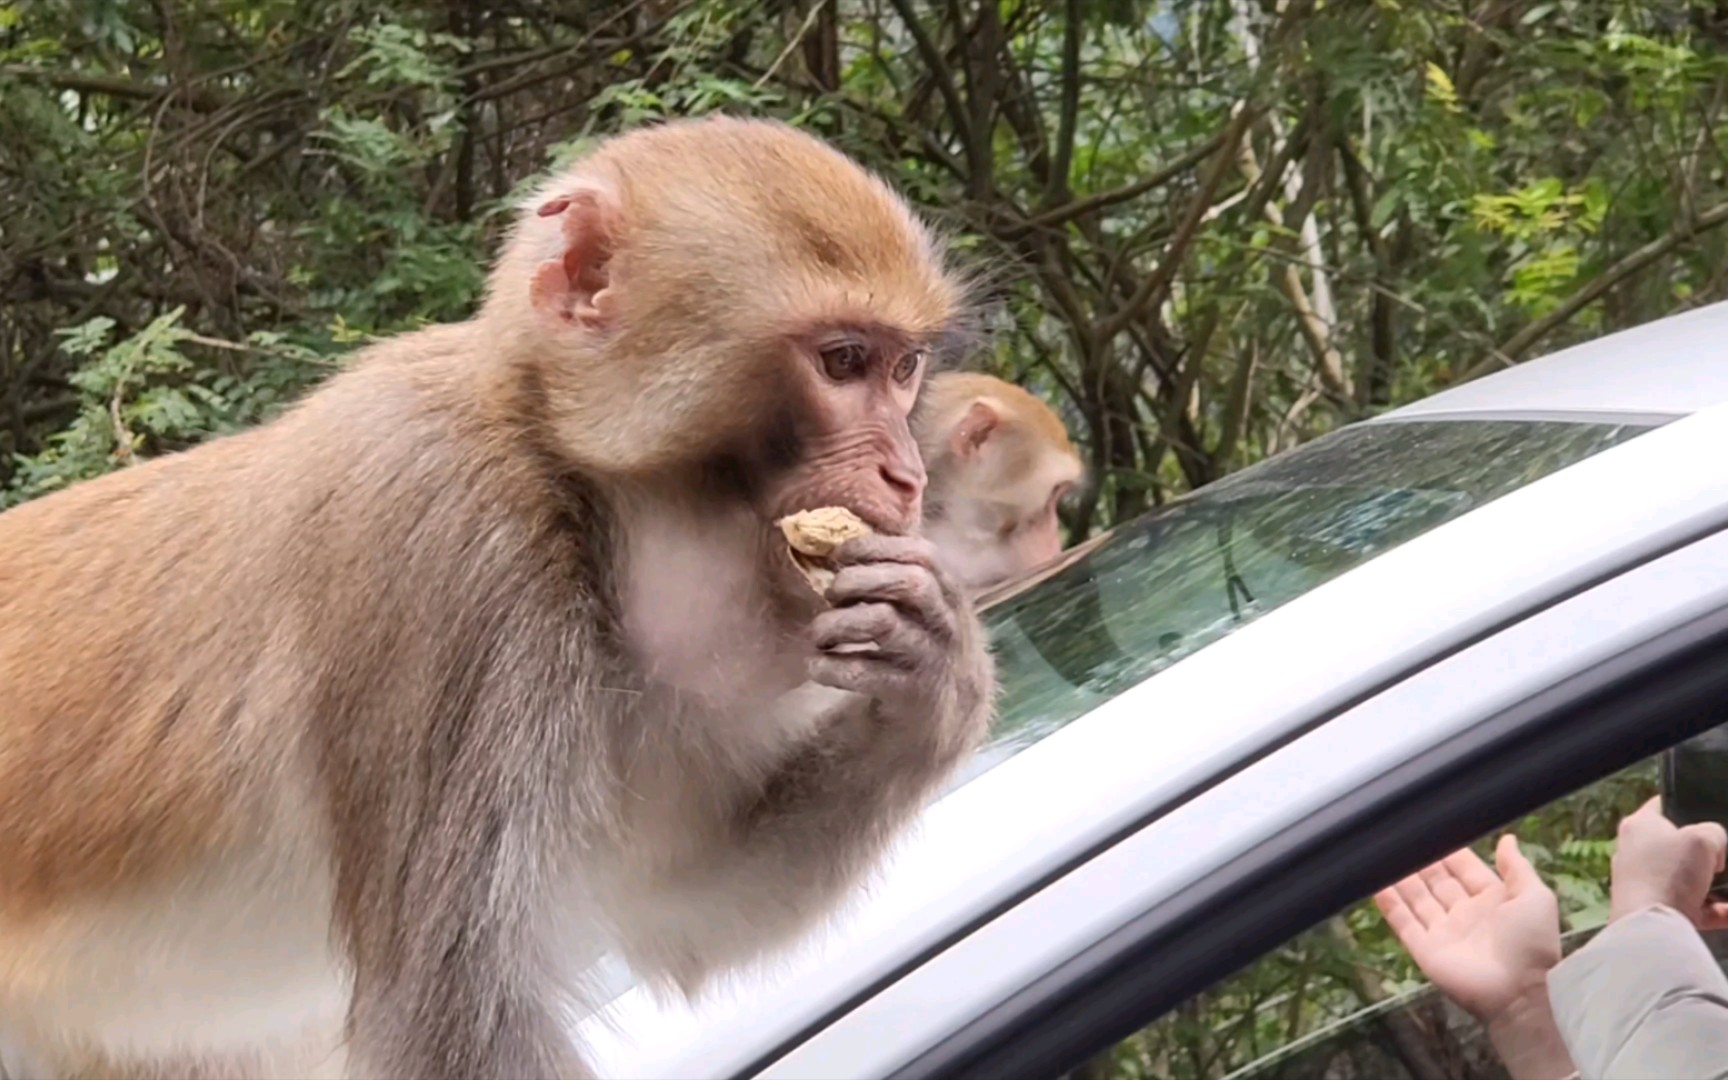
(975, 428)
(576, 287)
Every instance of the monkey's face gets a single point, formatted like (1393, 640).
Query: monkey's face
(984, 542)
(737, 304)
(999, 514)
(843, 437)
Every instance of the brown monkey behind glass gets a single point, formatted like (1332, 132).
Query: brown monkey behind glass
(1000, 463)
(400, 709)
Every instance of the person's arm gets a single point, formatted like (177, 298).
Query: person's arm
(1646, 998)
(1487, 941)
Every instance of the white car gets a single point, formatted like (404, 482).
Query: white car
(1236, 717)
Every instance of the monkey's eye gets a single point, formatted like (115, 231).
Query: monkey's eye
(846, 361)
(907, 366)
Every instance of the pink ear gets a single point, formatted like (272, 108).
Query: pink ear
(576, 288)
(975, 428)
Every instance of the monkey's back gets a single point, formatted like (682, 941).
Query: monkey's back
(107, 615)
(167, 630)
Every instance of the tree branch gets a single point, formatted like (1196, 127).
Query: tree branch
(1069, 115)
(1374, 386)
(943, 74)
(1165, 272)
(1515, 346)
(1316, 331)
(1237, 402)
(80, 83)
(1243, 115)
(42, 410)
(1104, 199)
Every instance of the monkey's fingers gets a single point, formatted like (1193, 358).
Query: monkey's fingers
(910, 588)
(884, 630)
(866, 674)
(907, 550)
(878, 548)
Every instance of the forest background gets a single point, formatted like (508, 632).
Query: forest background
(1210, 229)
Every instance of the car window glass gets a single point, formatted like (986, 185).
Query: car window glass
(1343, 1001)
(1140, 598)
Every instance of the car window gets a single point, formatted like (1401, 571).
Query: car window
(1342, 1001)
(1136, 600)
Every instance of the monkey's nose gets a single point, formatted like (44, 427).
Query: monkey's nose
(905, 482)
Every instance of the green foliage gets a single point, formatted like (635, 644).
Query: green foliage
(204, 204)
(1440, 178)
(144, 394)
(396, 55)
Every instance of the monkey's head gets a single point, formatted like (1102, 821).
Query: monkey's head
(731, 299)
(1000, 463)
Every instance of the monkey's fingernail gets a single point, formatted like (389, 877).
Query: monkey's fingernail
(854, 648)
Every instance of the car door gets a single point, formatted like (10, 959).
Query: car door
(1151, 927)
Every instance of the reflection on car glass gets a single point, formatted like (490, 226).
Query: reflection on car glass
(1166, 585)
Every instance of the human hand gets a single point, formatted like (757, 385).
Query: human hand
(1486, 940)
(1658, 862)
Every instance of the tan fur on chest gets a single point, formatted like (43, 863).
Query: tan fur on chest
(698, 614)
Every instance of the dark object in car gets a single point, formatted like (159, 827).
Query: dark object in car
(1695, 787)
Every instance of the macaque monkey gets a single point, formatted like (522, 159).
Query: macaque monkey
(1000, 463)
(349, 742)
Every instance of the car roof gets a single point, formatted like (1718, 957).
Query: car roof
(1667, 368)
(1034, 815)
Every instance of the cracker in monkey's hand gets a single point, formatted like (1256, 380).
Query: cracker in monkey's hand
(814, 534)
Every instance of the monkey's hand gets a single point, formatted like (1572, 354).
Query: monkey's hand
(902, 634)
(906, 645)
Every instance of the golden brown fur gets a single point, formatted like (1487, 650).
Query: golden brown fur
(386, 718)
(1000, 461)
(774, 259)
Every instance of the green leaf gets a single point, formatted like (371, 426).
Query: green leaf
(1440, 87)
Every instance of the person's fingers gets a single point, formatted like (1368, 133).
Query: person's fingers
(1509, 859)
(1471, 871)
(1714, 916)
(1446, 888)
(1648, 816)
(1711, 833)
(1414, 891)
(1398, 915)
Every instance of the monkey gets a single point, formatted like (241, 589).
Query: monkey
(348, 742)
(1000, 462)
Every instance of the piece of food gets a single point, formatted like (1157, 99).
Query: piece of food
(812, 536)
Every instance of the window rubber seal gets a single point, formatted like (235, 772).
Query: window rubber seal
(1560, 739)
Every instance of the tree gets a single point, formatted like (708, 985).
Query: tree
(1208, 229)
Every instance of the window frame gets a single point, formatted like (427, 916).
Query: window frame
(1585, 727)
